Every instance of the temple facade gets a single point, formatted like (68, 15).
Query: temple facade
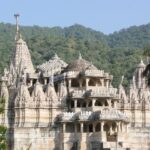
(60, 106)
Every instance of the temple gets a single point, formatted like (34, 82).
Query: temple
(60, 106)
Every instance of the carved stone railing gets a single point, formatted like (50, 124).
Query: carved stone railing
(96, 73)
(113, 114)
(85, 115)
(103, 92)
(72, 74)
(78, 94)
(97, 92)
(105, 114)
(72, 116)
(67, 116)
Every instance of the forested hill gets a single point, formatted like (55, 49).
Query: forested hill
(117, 53)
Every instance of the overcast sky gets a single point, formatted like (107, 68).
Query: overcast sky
(103, 15)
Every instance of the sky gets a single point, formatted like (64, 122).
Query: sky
(106, 16)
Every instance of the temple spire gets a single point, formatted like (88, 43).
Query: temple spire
(21, 58)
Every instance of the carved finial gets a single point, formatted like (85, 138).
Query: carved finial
(17, 22)
(141, 64)
(80, 56)
(18, 35)
(55, 56)
(122, 78)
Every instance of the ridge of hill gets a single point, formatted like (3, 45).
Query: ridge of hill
(117, 53)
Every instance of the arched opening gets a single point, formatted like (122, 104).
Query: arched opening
(90, 104)
(78, 127)
(105, 83)
(84, 127)
(99, 83)
(34, 81)
(78, 103)
(98, 103)
(56, 87)
(106, 103)
(114, 126)
(47, 80)
(92, 82)
(90, 127)
(106, 127)
(112, 103)
(72, 104)
(83, 83)
(74, 83)
(98, 127)
(84, 104)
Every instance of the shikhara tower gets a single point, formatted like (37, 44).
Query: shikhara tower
(71, 106)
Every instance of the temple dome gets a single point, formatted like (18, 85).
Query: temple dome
(80, 65)
(54, 65)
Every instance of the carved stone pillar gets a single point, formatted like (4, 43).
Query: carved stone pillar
(87, 82)
(94, 125)
(81, 127)
(31, 82)
(102, 82)
(111, 129)
(102, 126)
(107, 83)
(45, 81)
(125, 127)
(80, 83)
(75, 103)
(87, 104)
(109, 102)
(64, 127)
(93, 102)
(69, 83)
(75, 127)
(118, 124)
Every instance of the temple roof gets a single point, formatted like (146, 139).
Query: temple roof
(80, 65)
(22, 57)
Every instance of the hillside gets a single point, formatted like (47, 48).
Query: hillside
(117, 53)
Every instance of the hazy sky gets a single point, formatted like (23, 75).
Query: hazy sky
(103, 15)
